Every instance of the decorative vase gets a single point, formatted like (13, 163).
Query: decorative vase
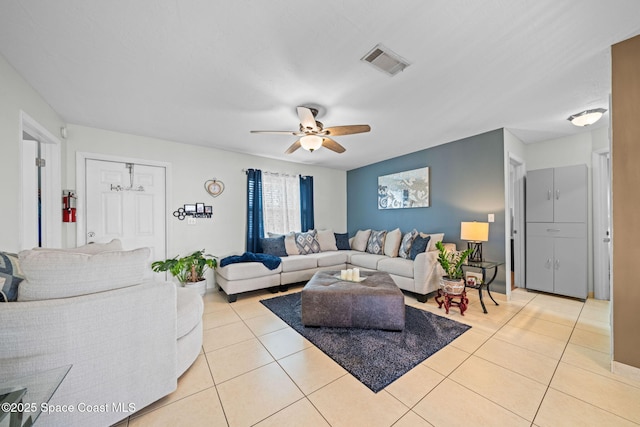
(200, 286)
(452, 286)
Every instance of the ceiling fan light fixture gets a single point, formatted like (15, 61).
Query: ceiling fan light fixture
(587, 117)
(311, 142)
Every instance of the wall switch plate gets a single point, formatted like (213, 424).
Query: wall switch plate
(492, 217)
(191, 221)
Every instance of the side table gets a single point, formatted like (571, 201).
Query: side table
(484, 266)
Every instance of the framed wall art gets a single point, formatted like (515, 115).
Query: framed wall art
(409, 189)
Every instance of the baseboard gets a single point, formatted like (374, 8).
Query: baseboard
(590, 295)
(626, 371)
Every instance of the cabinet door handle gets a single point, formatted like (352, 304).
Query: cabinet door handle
(553, 230)
(548, 263)
(557, 194)
(548, 194)
(557, 264)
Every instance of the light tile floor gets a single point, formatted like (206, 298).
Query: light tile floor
(537, 360)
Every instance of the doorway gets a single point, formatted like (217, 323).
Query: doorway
(516, 222)
(601, 173)
(122, 198)
(40, 186)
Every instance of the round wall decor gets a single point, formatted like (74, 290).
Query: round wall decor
(214, 187)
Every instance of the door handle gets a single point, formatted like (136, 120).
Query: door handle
(557, 264)
(557, 194)
(548, 263)
(91, 234)
(606, 240)
(548, 194)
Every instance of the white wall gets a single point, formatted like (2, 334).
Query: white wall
(567, 151)
(16, 95)
(191, 166)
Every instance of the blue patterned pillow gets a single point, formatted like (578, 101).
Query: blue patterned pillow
(375, 245)
(405, 245)
(10, 277)
(342, 241)
(307, 243)
(274, 246)
(418, 246)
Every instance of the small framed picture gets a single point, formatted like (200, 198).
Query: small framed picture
(199, 207)
(189, 209)
(471, 281)
(208, 209)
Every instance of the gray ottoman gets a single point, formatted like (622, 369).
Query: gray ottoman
(375, 303)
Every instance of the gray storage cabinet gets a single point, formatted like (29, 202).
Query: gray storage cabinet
(556, 215)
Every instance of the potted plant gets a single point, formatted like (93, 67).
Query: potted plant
(189, 270)
(451, 262)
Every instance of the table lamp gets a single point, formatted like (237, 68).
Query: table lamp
(474, 233)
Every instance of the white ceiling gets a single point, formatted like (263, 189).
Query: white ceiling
(208, 72)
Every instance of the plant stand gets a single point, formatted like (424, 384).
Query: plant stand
(450, 299)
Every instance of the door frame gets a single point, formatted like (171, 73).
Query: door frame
(81, 190)
(51, 195)
(601, 184)
(519, 218)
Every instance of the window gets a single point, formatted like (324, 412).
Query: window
(281, 203)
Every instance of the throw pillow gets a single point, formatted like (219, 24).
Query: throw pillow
(59, 274)
(418, 246)
(273, 246)
(289, 242)
(392, 243)
(405, 245)
(307, 243)
(435, 238)
(375, 244)
(10, 277)
(360, 240)
(342, 241)
(327, 240)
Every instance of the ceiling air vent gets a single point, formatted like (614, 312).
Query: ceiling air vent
(385, 60)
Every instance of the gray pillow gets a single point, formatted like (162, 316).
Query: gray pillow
(10, 277)
(307, 243)
(405, 245)
(342, 241)
(274, 246)
(375, 245)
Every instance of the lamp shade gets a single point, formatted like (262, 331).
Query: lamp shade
(474, 231)
(587, 117)
(311, 142)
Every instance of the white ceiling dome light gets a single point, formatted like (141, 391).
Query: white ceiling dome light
(587, 117)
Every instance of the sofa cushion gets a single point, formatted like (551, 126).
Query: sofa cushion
(10, 277)
(274, 246)
(327, 259)
(342, 241)
(398, 266)
(375, 244)
(435, 238)
(360, 240)
(405, 245)
(89, 248)
(392, 242)
(327, 240)
(60, 274)
(366, 260)
(419, 245)
(298, 262)
(247, 270)
(307, 242)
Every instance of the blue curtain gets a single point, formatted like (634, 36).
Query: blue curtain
(306, 203)
(255, 224)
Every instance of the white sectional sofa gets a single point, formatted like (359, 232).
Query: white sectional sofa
(419, 276)
(127, 339)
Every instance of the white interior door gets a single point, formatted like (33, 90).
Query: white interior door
(601, 176)
(126, 201)
(517, 209)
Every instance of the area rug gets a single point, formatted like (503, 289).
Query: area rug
(376, 358)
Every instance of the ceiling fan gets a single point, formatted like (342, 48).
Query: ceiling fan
(314, 135)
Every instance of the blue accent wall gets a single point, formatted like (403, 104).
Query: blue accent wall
(466, 183)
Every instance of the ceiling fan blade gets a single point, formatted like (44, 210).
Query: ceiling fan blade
(293, 147)
(307, 120)
(332, 145)
(346, 130)
(279, 132)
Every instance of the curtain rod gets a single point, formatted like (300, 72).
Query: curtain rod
(277, 173)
